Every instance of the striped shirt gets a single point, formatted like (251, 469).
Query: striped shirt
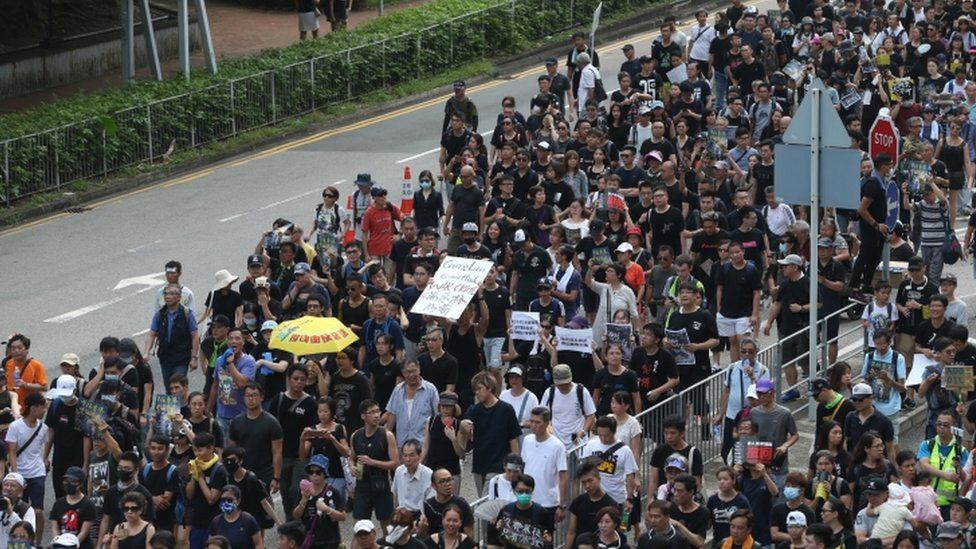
(933, 222)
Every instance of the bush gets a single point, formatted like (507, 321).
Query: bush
(95, 134)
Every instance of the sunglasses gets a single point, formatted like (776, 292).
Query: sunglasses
(327, 195)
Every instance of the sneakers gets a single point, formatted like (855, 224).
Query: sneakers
(791, 395)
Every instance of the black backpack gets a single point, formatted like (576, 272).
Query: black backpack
(127, 435)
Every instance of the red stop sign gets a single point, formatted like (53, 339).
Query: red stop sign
(883, 139)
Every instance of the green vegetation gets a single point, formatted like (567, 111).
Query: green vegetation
(94, 135)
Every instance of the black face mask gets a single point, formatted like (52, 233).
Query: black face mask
(125, 476)
(232, 466)
(470, 240)
(71, 488)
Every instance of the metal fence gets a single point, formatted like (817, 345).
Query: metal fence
(698, 404)
(54, 158)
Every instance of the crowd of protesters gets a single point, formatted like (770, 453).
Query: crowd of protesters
(648, 215)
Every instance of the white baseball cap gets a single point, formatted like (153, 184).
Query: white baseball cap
(64, 387)
(364, 525)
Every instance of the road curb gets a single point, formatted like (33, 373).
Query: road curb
(640, 21)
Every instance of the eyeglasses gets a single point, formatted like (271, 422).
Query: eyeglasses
(447, 480)
(130, 509)
(506, 123)
(747, 351)
(825, 510)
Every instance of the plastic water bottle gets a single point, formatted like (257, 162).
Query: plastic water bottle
(16, 378)
(624, 520)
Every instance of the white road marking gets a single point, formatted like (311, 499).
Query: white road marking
(273, 204)
(71, 315)
(145, 280)
(141, 332)
(432, 151)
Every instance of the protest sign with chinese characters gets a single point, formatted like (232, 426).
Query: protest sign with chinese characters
(525, 326)
(450, 291)
(568, 339)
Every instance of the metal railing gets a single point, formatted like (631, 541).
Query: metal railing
(95, 147)
(698, 404)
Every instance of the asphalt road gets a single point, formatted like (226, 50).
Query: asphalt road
(73, 278)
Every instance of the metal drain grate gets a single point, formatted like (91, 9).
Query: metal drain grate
(77, 210)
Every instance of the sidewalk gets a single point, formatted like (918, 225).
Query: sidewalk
(237, 31)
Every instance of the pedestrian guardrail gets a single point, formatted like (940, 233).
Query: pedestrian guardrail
(698, 405)
(53, 159)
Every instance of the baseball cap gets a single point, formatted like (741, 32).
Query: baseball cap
(514, 371)
(861, 391)
(469, 227)
(657, 104)
(965, 503)
(578, 323)
(634, 231)
(817, 385)
(644, 110)
(16, 477)
(458, 84)
(302, 268)
(765, 386)
(949, 530)
(625, 247)
(562, 374)
(363, 526)
(70, 358)
(544, 145)
(64, 387)
(268, 325)
(796, 518)
(876, 486)
(254, 260)
(447, 398)
(377, 191)
(721, 165)
(628, 47)
(543, 283)
(318, 460)
(676, 461)
(751, 392)
(65, 541)
(551, 61)
(824, 242)
(791, 259)
(656, 155)
(74, 473)
(519, 236)
(948, 277)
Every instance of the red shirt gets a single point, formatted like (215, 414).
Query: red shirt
(379, 224)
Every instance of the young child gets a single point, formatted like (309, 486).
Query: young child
(880, 313)
(675, 465)
(892, 514)
(924, 508)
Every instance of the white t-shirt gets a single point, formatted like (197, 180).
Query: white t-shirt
(630, 429)
(878, 317)
(544, 460)
(614, 469)
(522, 404)
(587, 81)
(567, 418)
(500, 488)
(702, 41)
(29, 462)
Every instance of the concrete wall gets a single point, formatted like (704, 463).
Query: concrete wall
(83, 58)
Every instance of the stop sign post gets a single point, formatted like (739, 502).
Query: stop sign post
(884, 138)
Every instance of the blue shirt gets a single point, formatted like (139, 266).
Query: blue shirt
(411, 419)
(887, 401)
(230, 398)
(738, 383)
(191, 321)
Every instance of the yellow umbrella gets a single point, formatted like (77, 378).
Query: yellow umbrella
(311, 335)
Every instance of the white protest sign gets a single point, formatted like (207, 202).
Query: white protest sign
(568, 339)
(456, 280)
(917, 375)
(525, 326)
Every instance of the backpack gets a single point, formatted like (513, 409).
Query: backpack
(126, 434)
(599, 92)
(147, 468)
(579, 398)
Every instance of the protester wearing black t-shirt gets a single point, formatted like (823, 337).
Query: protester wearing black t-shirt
(873, 211)
(657, 374)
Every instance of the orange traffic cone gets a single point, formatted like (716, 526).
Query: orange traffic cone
(406, 200)
(349, 235)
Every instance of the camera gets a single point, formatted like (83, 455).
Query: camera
(822, 476)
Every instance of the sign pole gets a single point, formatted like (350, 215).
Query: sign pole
(814, 225)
